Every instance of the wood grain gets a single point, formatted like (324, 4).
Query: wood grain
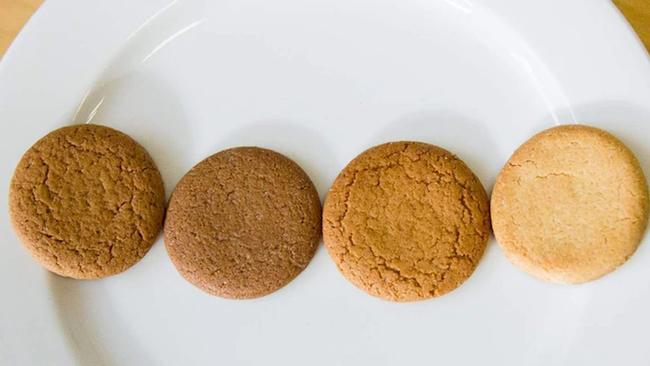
(14, 14)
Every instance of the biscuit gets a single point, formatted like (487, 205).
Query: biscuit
(86, 201)
(570, 205)
(406, 221)
(243, 223)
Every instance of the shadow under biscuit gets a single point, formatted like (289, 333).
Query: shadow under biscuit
(79, 326)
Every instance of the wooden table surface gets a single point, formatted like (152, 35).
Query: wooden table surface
(14, 13)
(637, 13)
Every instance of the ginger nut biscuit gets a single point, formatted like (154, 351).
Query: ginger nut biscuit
(406, 221)
(87, 201)
(243, 223)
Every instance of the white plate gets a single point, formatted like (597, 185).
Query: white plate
(321, 80)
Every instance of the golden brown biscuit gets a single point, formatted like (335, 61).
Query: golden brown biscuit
(87, 201)
(571, 204)
(406, 221)
(243, 223)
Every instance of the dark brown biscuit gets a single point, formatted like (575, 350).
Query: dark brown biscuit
(243, 223)
(571, 204)
(87, 201)
(406, 221)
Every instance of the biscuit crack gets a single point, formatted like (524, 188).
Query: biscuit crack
(444, 178)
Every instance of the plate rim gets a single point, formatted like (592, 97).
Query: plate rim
(50, 12)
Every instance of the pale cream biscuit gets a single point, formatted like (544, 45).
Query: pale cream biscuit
(571, 204)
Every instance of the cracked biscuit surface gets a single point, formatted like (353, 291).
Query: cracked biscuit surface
(571, 204)
(406, 221)
(86, 201)
(243, 223)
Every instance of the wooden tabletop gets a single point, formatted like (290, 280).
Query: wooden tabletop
(14, 13)
(637, 13)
